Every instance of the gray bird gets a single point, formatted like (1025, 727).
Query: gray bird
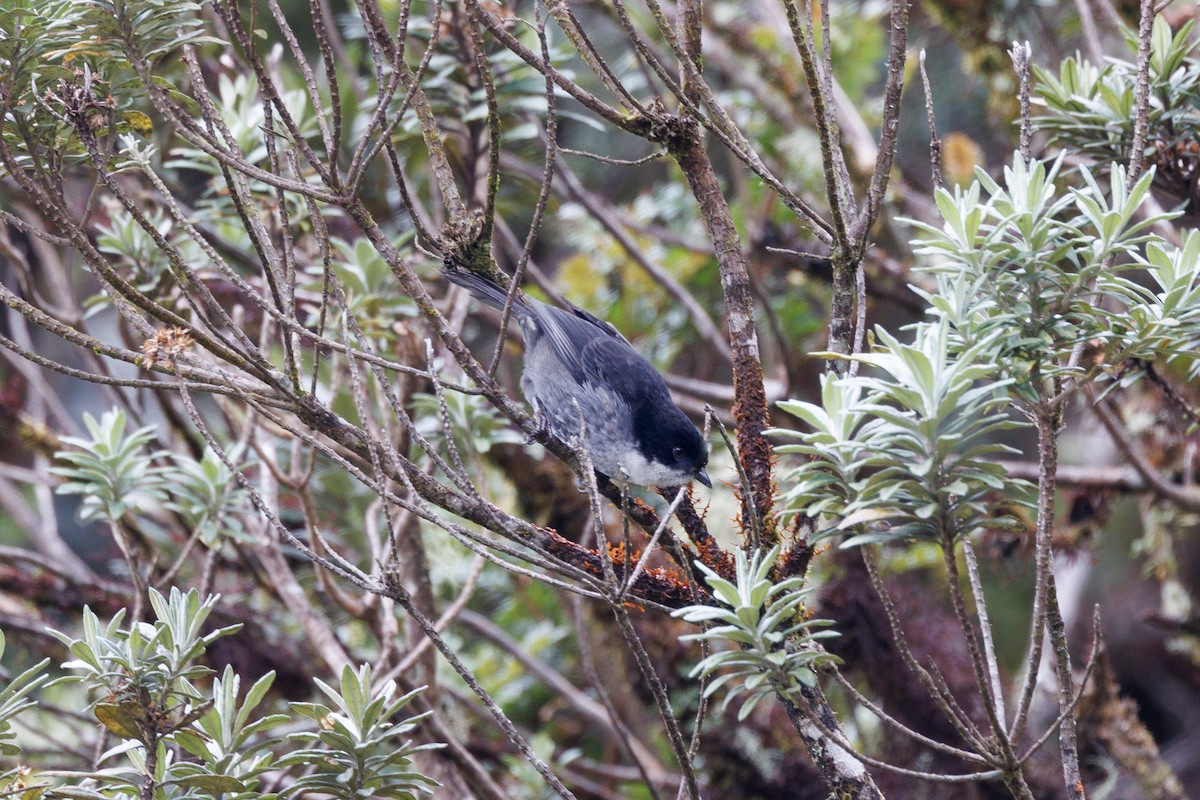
(578, 367)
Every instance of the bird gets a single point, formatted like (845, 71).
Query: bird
(582, 374)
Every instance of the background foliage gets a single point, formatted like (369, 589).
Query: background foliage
(275, 524)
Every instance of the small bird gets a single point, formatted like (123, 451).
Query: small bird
(579, 368)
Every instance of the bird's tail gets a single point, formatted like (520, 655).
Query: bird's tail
(485, 289)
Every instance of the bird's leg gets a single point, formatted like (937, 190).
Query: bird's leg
(541, 425)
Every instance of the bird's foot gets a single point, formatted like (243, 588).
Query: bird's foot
(541, 427)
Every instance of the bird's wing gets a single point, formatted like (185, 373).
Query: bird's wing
(611, 362)
(573, 333)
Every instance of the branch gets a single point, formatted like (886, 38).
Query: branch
(889, 126)
(841, 769)
(593, 711)
(750, 398)
(395, 590)
(1152, 478)
(1141, 98)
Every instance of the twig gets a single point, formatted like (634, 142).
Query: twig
(1097, 648)
(889, 127)
(755, 538)
(827, 130)
(397, 592)
(662, 526)
(1188, 500)
(1048, 616)
(1118, 478)
(1141, 95)
(1020, 55)
(1043, 565)
(608, 219)
(985, 626)
(539, 209)
(960, 721)
(935, 142)
(900, 727)
(444, 621)
(641, 658)
(816, 726)
(593, 711)
(986, 677)
(615, 162)
(1091, 33)
(625, 739)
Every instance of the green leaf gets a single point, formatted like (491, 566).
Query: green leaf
(211, 783)
(127, 720)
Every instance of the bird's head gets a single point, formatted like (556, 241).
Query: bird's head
(675, 449)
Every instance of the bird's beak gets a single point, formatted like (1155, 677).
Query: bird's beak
(702, 476)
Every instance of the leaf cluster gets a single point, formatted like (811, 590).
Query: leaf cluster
(904, 452)
(117, 475)
(15, 698)
(1161, 319)
(208, 496)
(1023, 261)
(182, 740)
(1089, 108)
(67, 65)
(1027, 274)
(354, 752)
(144, 674)
(775, 646)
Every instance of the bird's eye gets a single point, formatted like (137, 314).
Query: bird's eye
(677, 453)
